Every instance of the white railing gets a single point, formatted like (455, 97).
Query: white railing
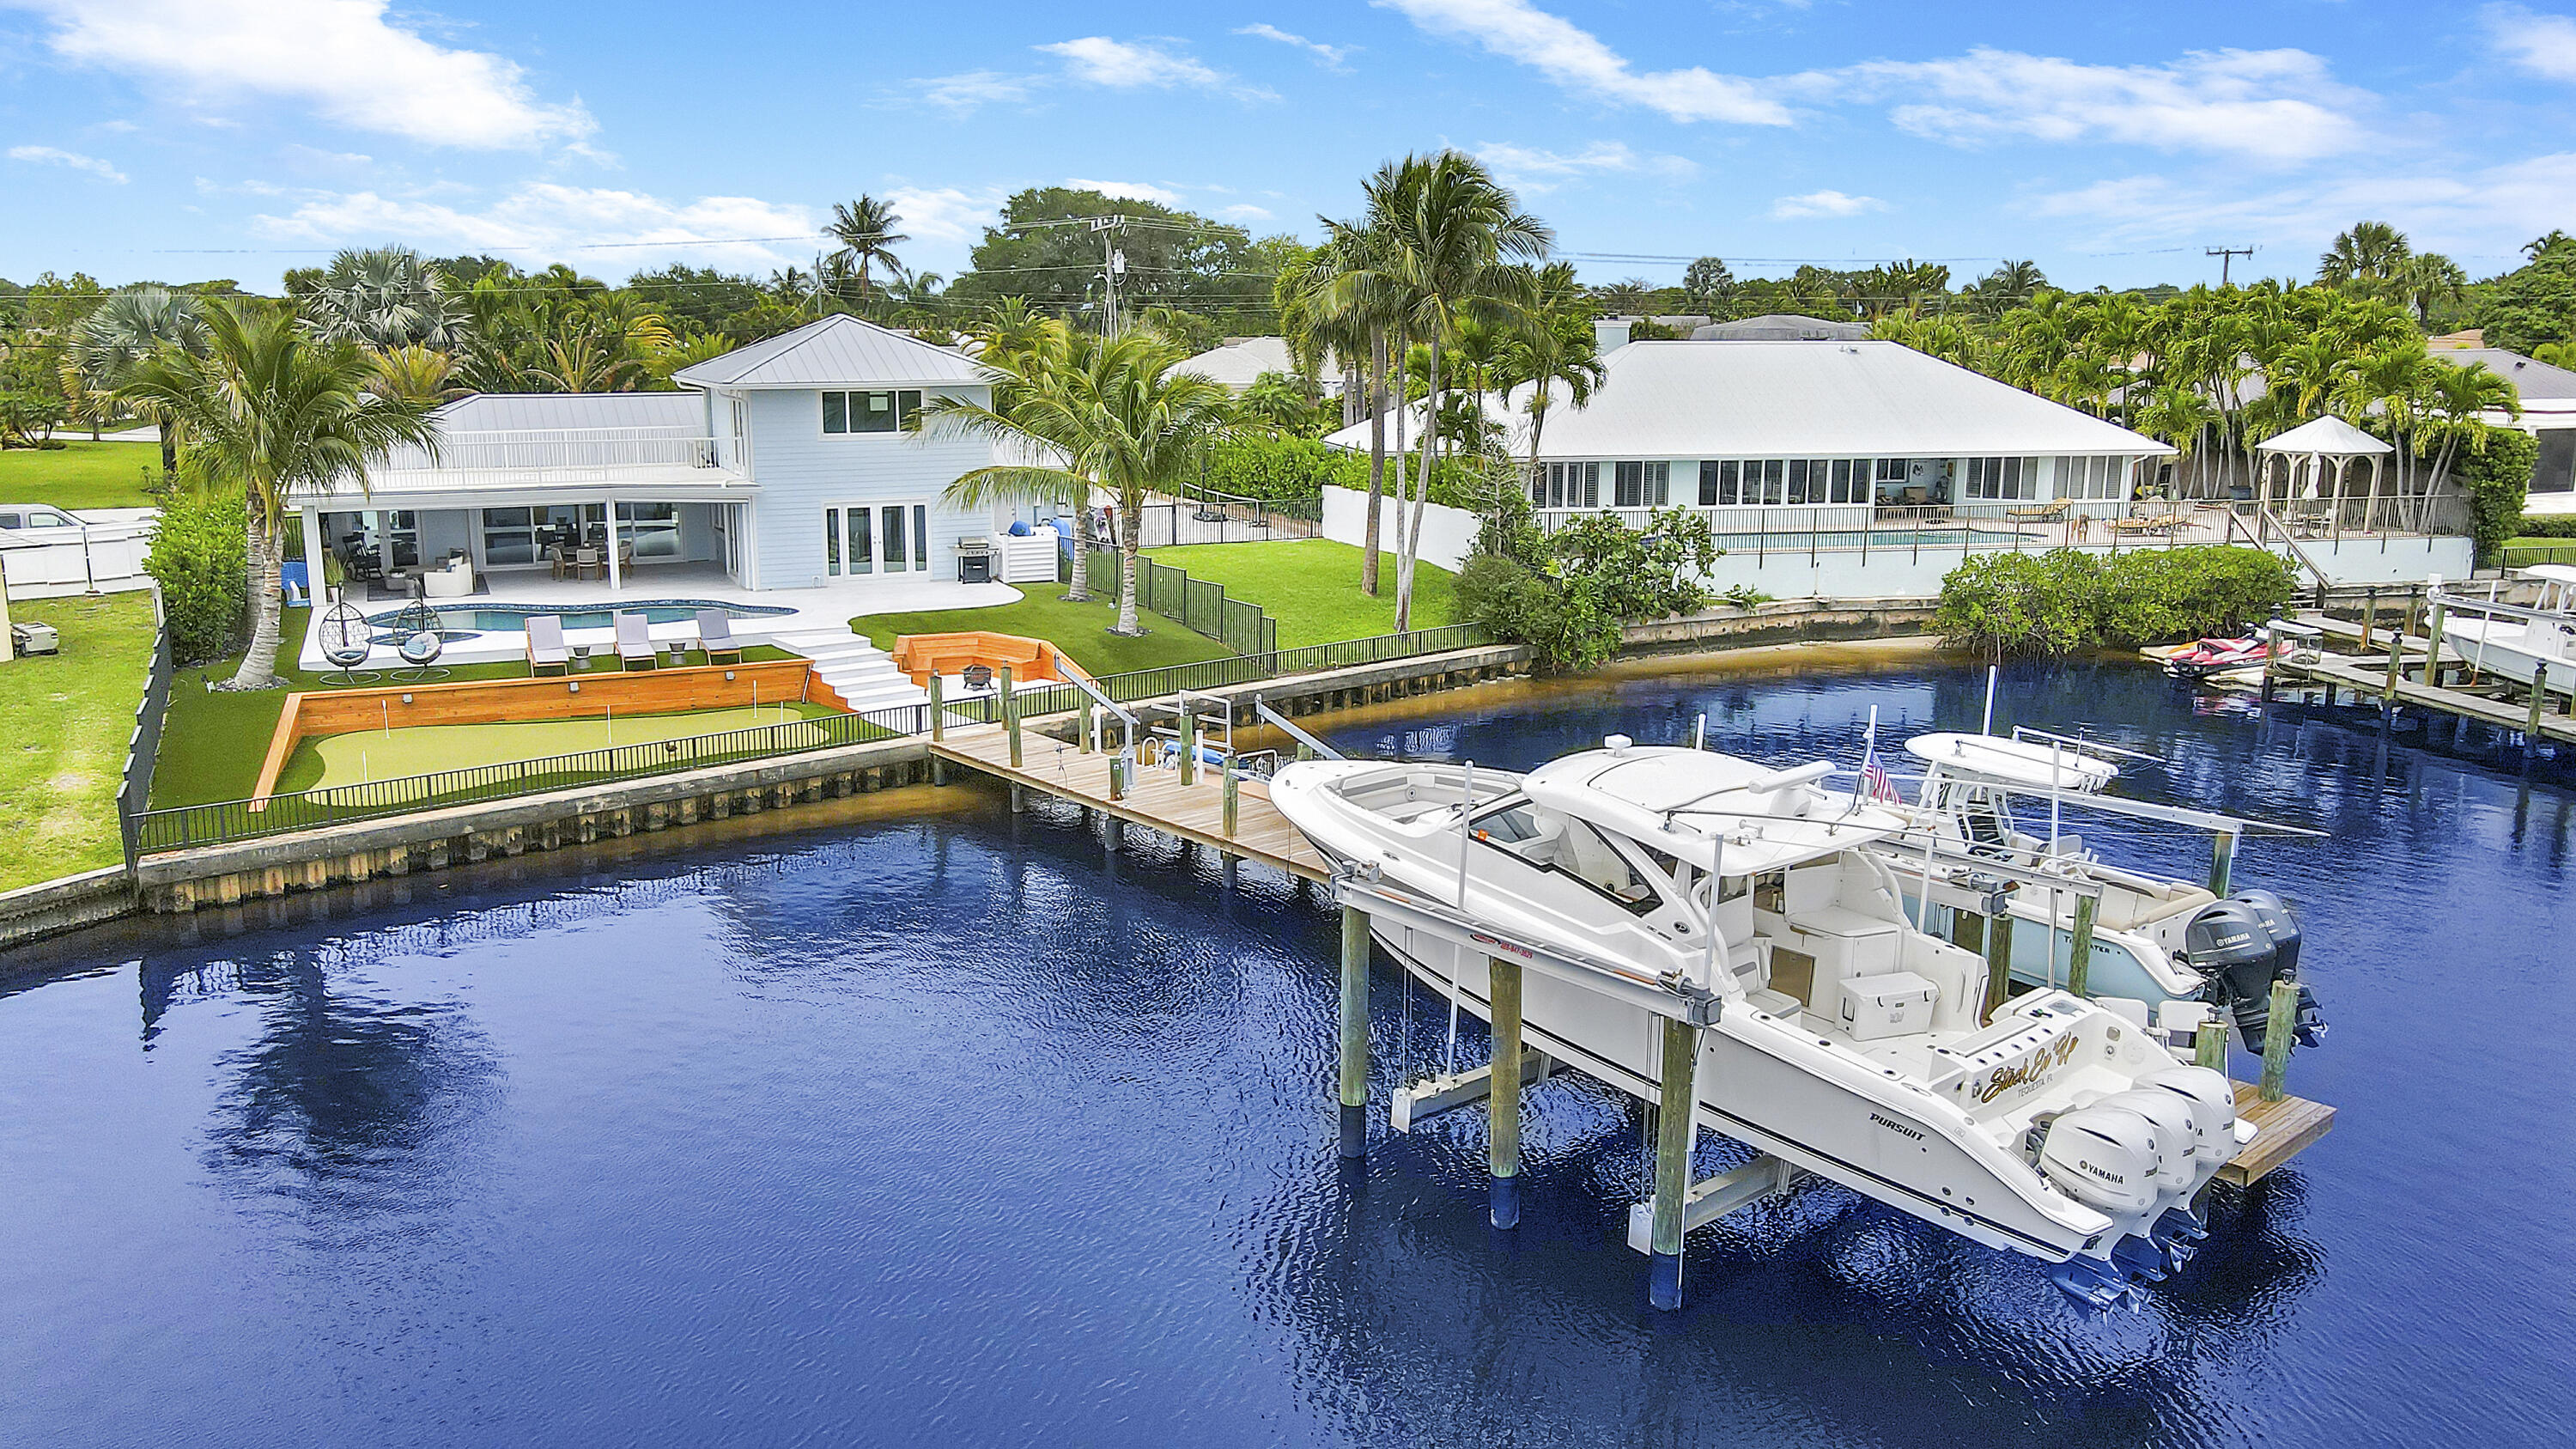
(559, 451)
(94, 558)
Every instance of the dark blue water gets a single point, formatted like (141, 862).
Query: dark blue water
(965, 1132)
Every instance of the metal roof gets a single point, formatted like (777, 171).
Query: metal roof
(2531, 380)
(1732, 399)
(1240, 363)
(493, 412)
(835, 351)
(2330, 436)
(1782, 327)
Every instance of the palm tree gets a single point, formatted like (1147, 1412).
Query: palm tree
(273, 411)
(2429, 278)
(120, 333)
(1446, 227)
(1553, 346)
(385, 298)
(2456, 396)
(865, 228)
(1117, 413)
(423, 376)
(1335, 295)
(1282, 403)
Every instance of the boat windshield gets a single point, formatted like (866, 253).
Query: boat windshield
(1571, 847)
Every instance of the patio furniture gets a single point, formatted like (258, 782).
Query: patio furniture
(589, 563)
(346, 638)
(715, 636)
(559, 560)
(2160, 523)
(546, 648)
(978, 677)
(635, 641)
(679, 651)
(452, 580)
(2040, 512)
(420, 653)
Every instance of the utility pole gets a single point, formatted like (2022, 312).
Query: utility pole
(2227, 255)
(1114, 266)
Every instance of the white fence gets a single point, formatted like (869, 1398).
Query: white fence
(1448, 534)
(105, 555)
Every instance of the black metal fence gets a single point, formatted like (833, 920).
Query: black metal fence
(143, 746)
(180, 827)
(1225, 518)
(1210, 674)
(1198, 605)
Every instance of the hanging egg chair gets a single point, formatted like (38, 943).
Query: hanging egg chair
(345, 643)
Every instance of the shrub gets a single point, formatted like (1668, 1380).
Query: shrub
(1602, 574)
(1296, 470)
(2495, 472)
(197, 559)
(2065, 601)
(2553, 525)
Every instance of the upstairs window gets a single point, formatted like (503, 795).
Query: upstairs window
(868, 412)
(1641, 485)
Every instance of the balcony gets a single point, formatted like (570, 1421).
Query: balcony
(555, 457)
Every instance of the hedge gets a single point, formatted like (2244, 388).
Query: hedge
(1283, 469)
(197, 559)
(2065, 601)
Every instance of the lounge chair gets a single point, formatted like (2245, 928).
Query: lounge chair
(546, 646)
(635, 641)
(715, 635)
(2049, 512)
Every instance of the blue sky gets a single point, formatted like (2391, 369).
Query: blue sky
(2110, 141)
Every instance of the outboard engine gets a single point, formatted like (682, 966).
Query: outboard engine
(2242, 946)
(2104, 1157)
(2211, 1102)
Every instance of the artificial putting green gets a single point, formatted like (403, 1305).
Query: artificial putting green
(328, 762)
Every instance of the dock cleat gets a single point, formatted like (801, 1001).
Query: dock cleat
(2094, 1284)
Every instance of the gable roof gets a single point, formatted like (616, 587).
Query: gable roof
(1782, 327)
(1685, 400)
(2331, 436)
(1240, 363)
(2532, 381)
(834, 351)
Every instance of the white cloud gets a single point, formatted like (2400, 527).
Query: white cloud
(945, 214)
(969, 89)
(1245, 211)
(595, 227)
(1122, 65)
(2542, 44)
(1536, 170)
(1126, 190)
(1576, 59)
(345, 58)
(1328, 56)
(1823, 203)
(56, 156)
(2471, 213)
(2265, 105)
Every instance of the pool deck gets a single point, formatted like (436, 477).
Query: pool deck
(813, 610)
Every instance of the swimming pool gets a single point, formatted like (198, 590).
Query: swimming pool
(458, 621)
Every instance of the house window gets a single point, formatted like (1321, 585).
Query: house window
(1566, 485)
(2090, 478)
(1774, 473)
(1641, 485)
(1850, 481)
(509, 536)
(868, 412)
(651, 529)
(2002, 479)
(1717, 482)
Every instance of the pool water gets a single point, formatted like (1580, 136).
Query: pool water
(464, 620)
(962, 1130)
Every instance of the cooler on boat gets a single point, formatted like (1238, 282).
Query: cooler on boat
(1894, 1004)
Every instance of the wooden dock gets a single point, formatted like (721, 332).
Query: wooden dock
(1156, 800)
(2361, 672)
(2283, 1129)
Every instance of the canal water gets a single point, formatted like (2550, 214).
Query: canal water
(961, 1130)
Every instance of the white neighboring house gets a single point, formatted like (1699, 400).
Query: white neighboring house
(1854, 468)
(1242, 360)
(781, 466)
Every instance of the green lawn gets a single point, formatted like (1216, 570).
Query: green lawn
(1312, 587)
(2523, 552)
(81, 475)
(213, 741)
(1081, 630)
(64, 720)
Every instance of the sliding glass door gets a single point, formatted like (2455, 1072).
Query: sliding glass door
(863, 540)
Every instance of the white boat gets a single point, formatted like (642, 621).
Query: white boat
(1836, 1036)
(2518, 643)
(2168, 950)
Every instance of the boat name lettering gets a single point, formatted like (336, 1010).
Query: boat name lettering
(1481, 939)
(1914, 1133)
(2029, 1069)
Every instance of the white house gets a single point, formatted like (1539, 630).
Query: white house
(781, 465)
(1242, 360)
(1841, 467)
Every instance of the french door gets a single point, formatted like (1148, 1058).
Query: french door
(862, 540)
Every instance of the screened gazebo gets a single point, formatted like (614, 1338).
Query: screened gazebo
(2316, 468)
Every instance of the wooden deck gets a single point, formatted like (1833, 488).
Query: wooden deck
(1158, 800)
(2284, 1129)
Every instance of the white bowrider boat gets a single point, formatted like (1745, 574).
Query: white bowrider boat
(2517, 643)
(2167, 951)
(1644, 886)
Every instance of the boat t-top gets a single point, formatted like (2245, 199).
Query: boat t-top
(1832, 1031)
(2171, 952)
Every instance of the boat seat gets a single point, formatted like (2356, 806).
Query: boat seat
(1779, 1003)
(1753, 972)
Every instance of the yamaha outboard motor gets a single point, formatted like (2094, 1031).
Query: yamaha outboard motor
(2243, 945)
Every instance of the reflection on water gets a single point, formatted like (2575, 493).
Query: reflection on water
(963, 1130)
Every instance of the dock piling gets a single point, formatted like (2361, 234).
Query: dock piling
(2277, 1028)
(1231, 794)
(1189, 744)
(1503, 1098)
(2222, 862)
(1011, 715)
(2433, 641)
(1676, 1131)
(2209, 1045)
(2539, 706)
(938, 716)
(1083, 741)
(2079, 952)
(1999, 934)
(1355, 1032)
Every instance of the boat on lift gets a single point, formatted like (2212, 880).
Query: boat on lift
(2169, 952)
(2517, 643)
(1837, 1034)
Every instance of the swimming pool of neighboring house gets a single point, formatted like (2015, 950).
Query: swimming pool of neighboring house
(464, 621)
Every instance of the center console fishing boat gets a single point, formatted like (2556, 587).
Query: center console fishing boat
(2170, 952)
(1646, 886)
(2516, 642)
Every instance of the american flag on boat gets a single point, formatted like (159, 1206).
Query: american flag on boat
(1874, 780)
